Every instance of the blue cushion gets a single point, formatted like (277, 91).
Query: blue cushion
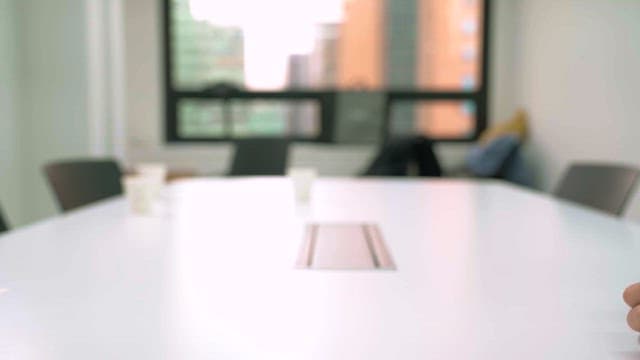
(489, 160)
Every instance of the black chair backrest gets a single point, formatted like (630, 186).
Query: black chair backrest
(255, 157)
(604, 187)
(3, 224)
(396, 157)
(82, 182)
(428, 164)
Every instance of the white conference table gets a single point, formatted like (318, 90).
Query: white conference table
(484, 271)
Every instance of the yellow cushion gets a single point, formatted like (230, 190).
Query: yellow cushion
(517, 125)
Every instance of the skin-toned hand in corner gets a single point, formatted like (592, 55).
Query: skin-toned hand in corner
(631, 296)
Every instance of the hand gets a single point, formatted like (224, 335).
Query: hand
(631, 296)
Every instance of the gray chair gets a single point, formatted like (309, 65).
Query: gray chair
(81, 182)
(605, 187)
(3, 224)
(255, 157)
(397, 156)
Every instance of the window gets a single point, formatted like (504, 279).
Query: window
(256, 68)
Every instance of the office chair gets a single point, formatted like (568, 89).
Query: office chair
(3, 224)
(255, 157)
(396, 157)
(82, 182)
(605, 187)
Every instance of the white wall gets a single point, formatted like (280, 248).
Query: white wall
(52, 98)
(578, 75)
(502, 102)
(9, 82)
(59, 94)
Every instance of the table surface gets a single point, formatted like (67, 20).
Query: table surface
(485, 270)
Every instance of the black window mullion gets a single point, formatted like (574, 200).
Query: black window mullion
(171, 113)
(482, 104)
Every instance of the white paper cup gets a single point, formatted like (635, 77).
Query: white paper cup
(139, 191)
(302, 179)
(156, 173)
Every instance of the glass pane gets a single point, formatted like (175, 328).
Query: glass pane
(449, 44)
(244, 118)
(276, 118)
(433, 119)
(200, 118)
(315, 44)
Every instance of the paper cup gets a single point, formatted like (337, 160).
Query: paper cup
(139, 191)
(302, 179)
(156, 173)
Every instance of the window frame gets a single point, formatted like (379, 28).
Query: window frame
(326, 98)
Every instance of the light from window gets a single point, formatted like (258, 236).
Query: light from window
(320, 44)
